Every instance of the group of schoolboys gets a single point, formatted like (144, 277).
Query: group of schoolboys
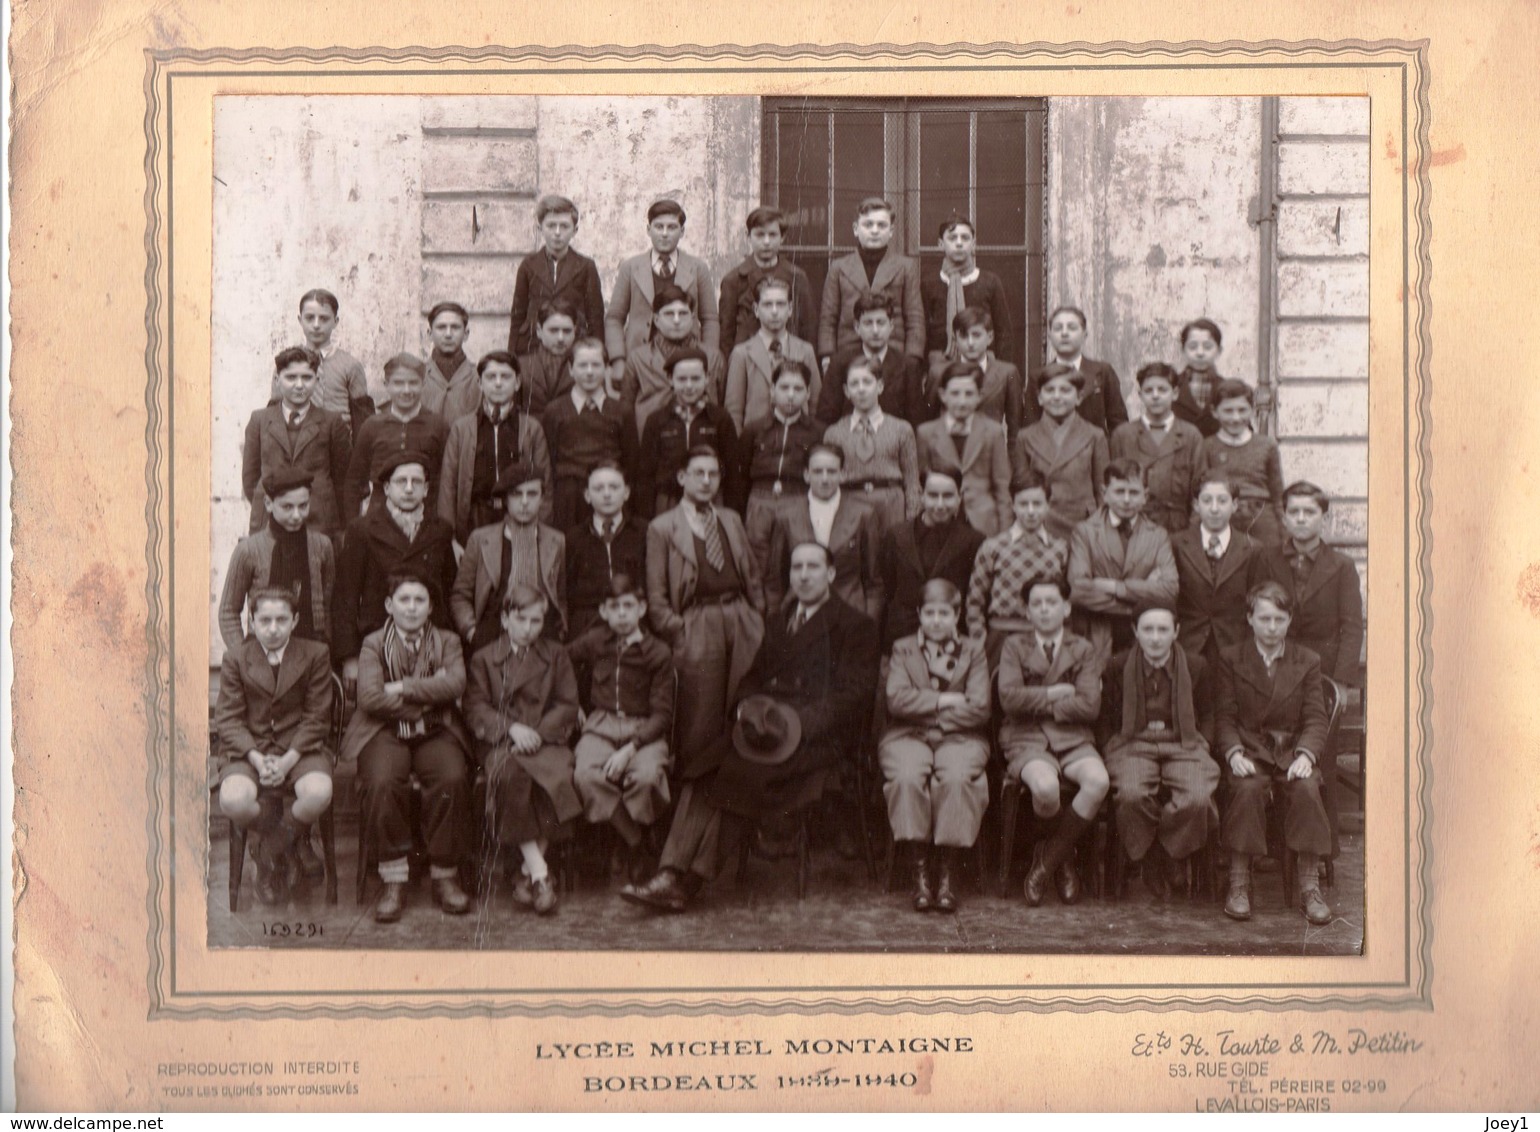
(1029, 555)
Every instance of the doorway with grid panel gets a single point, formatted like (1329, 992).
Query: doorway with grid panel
(981, 159)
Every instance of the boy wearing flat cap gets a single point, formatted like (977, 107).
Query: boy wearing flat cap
(404, 425)
(286, 554)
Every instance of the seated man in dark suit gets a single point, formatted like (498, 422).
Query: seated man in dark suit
(1158, 713)
(809, 685)
(1270, 727)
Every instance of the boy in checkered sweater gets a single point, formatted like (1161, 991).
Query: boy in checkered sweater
(997, 606)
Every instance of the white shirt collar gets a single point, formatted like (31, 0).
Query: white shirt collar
(1017, 533)
(657, 260)
(692, 516)
(959, 428)
(328, 350)
(1241, 443)
(878, 356)
(579, 398)
(1057, 640)
(635, 638)
(1073, 363)
(1224, 538)
(289, 411)
(809, 611)
(598, 523)
(875, 417)
(1269, 659)
(404, 420)
(1164, 426)
(276, 657)
(783, 421)
(767, 338)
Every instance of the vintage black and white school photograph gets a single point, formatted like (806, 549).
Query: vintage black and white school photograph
(730, 523)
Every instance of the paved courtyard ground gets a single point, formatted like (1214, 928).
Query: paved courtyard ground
(759, 911)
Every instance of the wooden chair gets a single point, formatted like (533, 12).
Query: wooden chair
(326, 823)
(802, 806)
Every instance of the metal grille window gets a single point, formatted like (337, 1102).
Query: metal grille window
(982, 159)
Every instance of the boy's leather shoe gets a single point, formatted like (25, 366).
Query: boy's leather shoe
(1314, 905)
(1035, 887)
(1067, 880)
(665, 892)
(1238, 902)
(310, 865)
(924, 895)
(545, 896)
(946, 892)
(387, 910)
(449, 896)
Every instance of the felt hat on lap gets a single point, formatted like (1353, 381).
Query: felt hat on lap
(767, 731)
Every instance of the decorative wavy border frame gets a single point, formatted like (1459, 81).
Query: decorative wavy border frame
(159, 634)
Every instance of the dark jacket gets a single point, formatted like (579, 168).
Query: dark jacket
(374, 549)
(903, 577)
(736, 308)
(1111, 722)
(1271, 717)
(1212, 605)
(256, 713)
(903, 393)
(1328, 609)
(321, 446)
(576, 278)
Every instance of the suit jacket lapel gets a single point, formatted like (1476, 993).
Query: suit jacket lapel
(257, 667)
(309, 429)
(288, 671)
(684, 539)
(851, 266)
(550, 562)
(684, 271)
(737, 546)
(1321, 571)
(974, 444)
(1254, 671)
(759, 355)
(492, 558)
(1233, 557)
(1287, 673)
(642, 273)
(887, 269)
(1076, 439)
(278, 429)
(914, 665)
(845, 522)
(1053, 671)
